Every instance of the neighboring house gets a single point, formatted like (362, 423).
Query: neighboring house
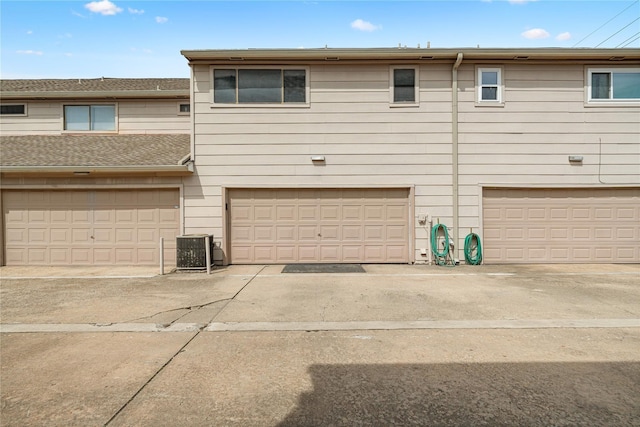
(348, 155)
(92, 169)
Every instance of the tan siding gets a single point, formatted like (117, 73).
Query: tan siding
(42, 118)
(526, 141)
(544, 119)
(45, 118)
(152, 117)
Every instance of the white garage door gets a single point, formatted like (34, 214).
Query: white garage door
(274, 226)
(561, 225)
(101, 227)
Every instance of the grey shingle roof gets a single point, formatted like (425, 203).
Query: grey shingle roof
(93, 150)
(103, 84)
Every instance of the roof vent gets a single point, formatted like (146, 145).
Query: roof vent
(426, 57)
(521, 58)
(616, 58)
(236, 58)
(332, 58)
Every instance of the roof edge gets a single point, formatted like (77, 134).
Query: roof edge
(88, 170)
(158, 94)
(405, 53)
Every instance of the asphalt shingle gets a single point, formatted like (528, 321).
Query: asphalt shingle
(103, 84)
(93, 150)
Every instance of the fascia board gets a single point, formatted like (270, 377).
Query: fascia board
(158, 94)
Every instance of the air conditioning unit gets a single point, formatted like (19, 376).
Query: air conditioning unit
(191, 251)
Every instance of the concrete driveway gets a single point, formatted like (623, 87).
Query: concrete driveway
(249, 345)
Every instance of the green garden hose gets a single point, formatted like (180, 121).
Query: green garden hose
(440, 256)
(473, 251)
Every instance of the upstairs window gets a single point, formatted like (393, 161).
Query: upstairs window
(259, 86)
(90, 117)
(13, 110)
(489, 85)
(184, 109)
(404, 85)
(614, 85)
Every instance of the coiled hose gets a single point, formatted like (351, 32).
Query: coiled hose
(473, 252)
(439, 255)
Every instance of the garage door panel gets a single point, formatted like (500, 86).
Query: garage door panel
(330, 253)
(307, 253)
(60, 236)
(85, 227)
(286, 253)
(562, 225)
(80, 256)
(322, 225)
(264, 233)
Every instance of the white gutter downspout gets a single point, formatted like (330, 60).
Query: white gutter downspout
(454, 154)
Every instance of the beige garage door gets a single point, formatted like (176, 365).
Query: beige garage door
(101, 227)
(319, 226)
(561, 225)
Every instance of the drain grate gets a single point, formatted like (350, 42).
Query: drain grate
(323, 268)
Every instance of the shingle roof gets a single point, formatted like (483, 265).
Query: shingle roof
(93, 150)
(103, 84)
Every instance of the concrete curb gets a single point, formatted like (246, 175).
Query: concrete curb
(320, 326)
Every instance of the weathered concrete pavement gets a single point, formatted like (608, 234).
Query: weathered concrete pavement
(399, 345)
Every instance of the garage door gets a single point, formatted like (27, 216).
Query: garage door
(101, 227)
(561, 225)
(319, 226)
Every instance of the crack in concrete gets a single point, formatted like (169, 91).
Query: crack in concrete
(181, 349)
(190, 309)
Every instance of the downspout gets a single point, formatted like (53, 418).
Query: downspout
(454, 152)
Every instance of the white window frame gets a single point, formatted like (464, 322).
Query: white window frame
(12, 104)
(416, 85)
(184, 113)
(72, 104)
(609, 101)
(305, 104)
(499, 86)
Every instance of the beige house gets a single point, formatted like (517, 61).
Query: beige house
(350, 155)
(91, 169)
(330, 155)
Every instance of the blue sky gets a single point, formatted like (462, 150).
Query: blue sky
(120, 38)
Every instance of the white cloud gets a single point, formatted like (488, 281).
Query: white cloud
(103, 7)
(135, 11)
(521, 1)
(535, 33)
(563, 36)
(161, 19)
(29, 32)
(361, 25)
(68, 54)
(29, 52)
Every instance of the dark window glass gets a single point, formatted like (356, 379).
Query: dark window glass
(490, 93)
(404, 81)
(626, 85)
(600, 85)
(257, 86)
(12, 109)
(294, 86)
(224, 86)
(185, 108)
